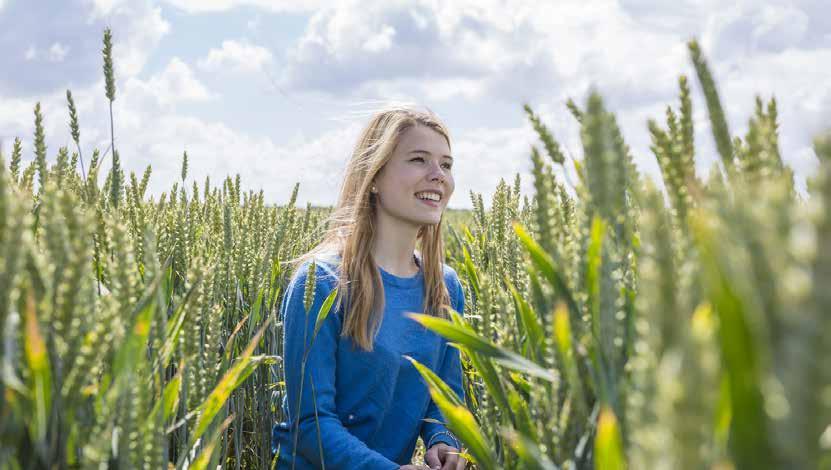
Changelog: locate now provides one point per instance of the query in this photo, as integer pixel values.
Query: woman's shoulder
(454, 287)
(451, 277)
(449, 273)
(326, 270)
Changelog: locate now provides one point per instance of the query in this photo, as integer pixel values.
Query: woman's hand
(444, 457)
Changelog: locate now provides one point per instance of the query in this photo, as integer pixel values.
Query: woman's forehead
(423, 138)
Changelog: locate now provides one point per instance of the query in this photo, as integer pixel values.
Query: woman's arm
(339, 448)
(450, 371)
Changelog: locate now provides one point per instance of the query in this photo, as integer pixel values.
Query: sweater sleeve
(450, 371)
(322, 438)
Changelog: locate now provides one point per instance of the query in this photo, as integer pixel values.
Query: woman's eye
(447, 166)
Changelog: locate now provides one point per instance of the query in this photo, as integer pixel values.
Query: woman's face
(418, 173)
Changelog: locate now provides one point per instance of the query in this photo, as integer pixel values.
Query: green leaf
(464, 335)
(470, 269)
(229, 350)
(174, 327)
(170, 396)
(255, 310)
(203, 460)
(749, 438)
(40, 376)
(167, 281)
(608, 447)
(565, 350)
(545, 265)
(594, 261)
(484, 366)
(520, 409)
(435, 381)
(275, 289)
(245, 365)
(528, 451)
(469, 235)
(597, 353)
(530, 323)
(132, 351)
(9, 378)
(324, 312)
(459, 420)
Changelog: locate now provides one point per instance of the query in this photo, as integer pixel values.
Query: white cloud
(350, 44)
(802, 90)
(276, 6)
(175, 84)
(31, 53)
(483, 156)
(137, 28)
(150, 131)
(103, 8)
(463, 56)
(218, 150)
(436, 90)
(57, 52)
(42, 34)
(253, 24)
(141, 37)
(237, 56)
(421, 22)
(381, 41)
(777, 25)
(449, 88)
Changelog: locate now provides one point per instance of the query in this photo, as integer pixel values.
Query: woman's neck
(394, 247)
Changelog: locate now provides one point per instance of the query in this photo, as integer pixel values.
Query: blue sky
(277, 91)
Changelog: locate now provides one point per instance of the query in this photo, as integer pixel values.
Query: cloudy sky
(277, 90)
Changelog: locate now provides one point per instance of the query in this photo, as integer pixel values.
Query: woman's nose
(437, 173)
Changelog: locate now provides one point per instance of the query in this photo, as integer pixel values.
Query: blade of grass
(530, 323)
(323, 313)
(528, 451)
(565, 350)
(464, 335)
(608, 447)
(546, 266)
(484, 366)
(435, 381)
(749, 438)
(459, 420)
(37, 360)
(204, 458)
(245, 365)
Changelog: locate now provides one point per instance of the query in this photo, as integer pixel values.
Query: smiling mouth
(428, 196)
(429, 202)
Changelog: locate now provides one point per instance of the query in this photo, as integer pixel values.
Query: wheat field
(610, 324)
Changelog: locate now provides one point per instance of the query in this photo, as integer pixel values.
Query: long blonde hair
(352, 230)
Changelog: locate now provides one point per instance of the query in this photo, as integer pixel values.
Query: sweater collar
(405, 282)
(393, 280)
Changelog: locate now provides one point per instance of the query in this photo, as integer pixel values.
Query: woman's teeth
(429, 196)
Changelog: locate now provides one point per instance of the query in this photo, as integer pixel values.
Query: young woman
(358, 403)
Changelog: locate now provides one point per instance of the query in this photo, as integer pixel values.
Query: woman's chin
(426, 221)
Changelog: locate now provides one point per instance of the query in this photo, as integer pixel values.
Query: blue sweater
(371, 406)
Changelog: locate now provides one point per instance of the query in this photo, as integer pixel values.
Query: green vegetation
(608, 326)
